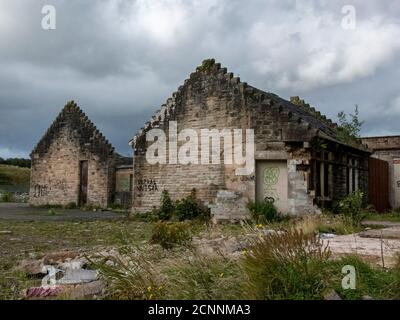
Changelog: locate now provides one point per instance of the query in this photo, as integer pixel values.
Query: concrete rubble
(63, 274)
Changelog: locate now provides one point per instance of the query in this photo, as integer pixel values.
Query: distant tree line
(19, 162)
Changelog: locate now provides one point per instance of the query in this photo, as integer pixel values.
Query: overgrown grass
(370, 281)
(288, 265)
(285, 265)
(203, 278)
(131, 276)
(169, 234)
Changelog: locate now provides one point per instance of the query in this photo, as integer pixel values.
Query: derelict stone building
(387, 149)
(300, 160)
(72, 163)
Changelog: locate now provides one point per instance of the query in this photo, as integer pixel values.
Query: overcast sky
(121, 59)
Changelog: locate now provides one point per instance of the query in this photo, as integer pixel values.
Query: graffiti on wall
(271, 178)
(43, 190)
(40, 190)
(147, 185)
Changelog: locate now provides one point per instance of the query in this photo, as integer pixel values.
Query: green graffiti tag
(271, 176)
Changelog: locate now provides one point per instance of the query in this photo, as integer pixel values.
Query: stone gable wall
(55, 175)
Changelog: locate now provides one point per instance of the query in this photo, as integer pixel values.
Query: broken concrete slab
(366, 247)
(77, 276)
(386, 233)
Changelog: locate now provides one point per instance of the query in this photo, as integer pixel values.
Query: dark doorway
(84, 167)
(379, 184)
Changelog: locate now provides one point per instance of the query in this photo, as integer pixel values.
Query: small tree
(350, 129)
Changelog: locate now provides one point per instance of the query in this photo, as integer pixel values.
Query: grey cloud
(120, 60)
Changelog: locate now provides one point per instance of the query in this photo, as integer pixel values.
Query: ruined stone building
(74, 164)
(300, 159)
(387, 148)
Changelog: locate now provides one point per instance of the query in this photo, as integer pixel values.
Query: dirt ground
(24, 212)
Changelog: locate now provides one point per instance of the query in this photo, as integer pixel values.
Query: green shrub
(263, 212)
(189, 208)
(352, 206)
(168, 234)
(167, 207)
(7, 197)
(286, 265)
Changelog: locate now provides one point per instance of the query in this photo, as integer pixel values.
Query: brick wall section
(55, 174)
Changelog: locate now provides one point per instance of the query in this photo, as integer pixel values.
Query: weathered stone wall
(56, 160)
(55, 176)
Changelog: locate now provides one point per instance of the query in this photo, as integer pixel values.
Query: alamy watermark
(349, 281)
(349, 19)
(198, 150)
(49, 18)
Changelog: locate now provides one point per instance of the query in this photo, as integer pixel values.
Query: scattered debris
(42, 292)
(31, 267)
(76, 276)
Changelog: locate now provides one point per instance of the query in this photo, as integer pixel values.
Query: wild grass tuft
(286, 265)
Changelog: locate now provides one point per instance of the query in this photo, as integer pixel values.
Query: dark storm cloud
(120, 60)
